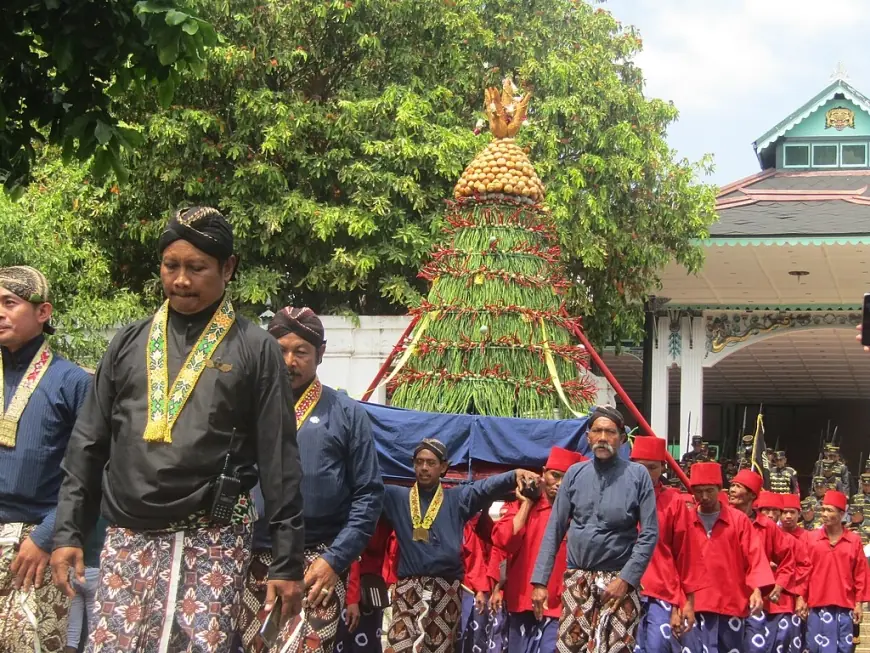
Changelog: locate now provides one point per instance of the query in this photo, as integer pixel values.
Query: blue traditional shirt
(30, 473)
(600, 505)
(342, 489)
(441, 555)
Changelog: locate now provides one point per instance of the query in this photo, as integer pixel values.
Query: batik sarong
(170, 591)
(758, 634)
(715, 633)
(829, 630)
(654, 631)
(367, 636)
(589, 625)
(316, 628)
(33, 620)
(787, 633)
(498, 631)
(528, 635)
(473, 625)
(426, 613)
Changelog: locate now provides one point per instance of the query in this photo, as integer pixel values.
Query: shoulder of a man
(351, 408)
(70, 371)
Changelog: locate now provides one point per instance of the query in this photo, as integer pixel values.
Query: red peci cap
(561, 459)
(769, 500)
(790, 502)
(836, 499)
(706, 474)
(750, 480)
(648, 447)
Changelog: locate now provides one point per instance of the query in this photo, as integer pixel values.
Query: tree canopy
(331, 132)
(62, 61)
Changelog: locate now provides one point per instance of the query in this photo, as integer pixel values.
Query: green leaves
(332, 132)
(73, 59)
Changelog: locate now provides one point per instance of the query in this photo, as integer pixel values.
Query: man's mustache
(604, 445)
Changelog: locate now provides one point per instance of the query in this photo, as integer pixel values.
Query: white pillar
(356, 351)
(660, 362)
(691, 379)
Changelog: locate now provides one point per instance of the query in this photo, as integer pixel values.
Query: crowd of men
(163, 502)
(829, 473)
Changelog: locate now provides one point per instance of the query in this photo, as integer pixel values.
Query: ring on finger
(325, 590)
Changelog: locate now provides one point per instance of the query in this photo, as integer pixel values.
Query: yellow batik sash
(425, 523)
(35, 371)
(164, 403)
(308, 401)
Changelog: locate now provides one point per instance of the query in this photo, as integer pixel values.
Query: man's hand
(676, 621)
(689, 615)
(320, 582)
(857, 613)
(801, 608)
(539, 600)
(29, 565)
(496, 599)
(353, 615)
(614, 593)
(775, 594)
(755, 602)
(290, 592)
(480, 602)
(528, 477)
(63, 560)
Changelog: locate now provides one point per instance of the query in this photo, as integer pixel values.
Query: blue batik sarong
(654, 631)
(367, 636)
(497, 631)
(787, 633)
(829, 630)
(528, 635)
(714, 633)
(473, 626)
(758, 634)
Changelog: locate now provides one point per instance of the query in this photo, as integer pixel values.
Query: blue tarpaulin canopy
(495, 440)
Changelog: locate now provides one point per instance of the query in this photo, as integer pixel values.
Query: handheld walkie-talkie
(227, 489)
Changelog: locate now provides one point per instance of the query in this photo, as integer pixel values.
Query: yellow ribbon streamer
(554, 374)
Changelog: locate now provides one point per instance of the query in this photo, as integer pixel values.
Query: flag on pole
(760, 463)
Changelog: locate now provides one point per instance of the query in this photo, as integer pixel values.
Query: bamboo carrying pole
(387, 363)
(642, 423)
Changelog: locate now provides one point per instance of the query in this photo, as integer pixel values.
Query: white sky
(735, 68)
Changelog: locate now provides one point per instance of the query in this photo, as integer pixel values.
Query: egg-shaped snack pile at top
(502, 168)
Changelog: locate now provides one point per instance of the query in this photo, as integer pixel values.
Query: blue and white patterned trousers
(829, 630)
(714, 633)
(528, 635)
(654, 631)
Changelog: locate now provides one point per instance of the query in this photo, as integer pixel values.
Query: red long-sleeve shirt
(474, 557)
(734, 561)
(372, 559)
(353, 583)
(779, 550)
(839, 575)
(677, 566)
(522, 552)
(800, 541)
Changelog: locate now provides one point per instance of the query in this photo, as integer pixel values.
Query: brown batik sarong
(588, 625)
(319, 628)
(29, 621)
(170, 591)
(426, 614)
